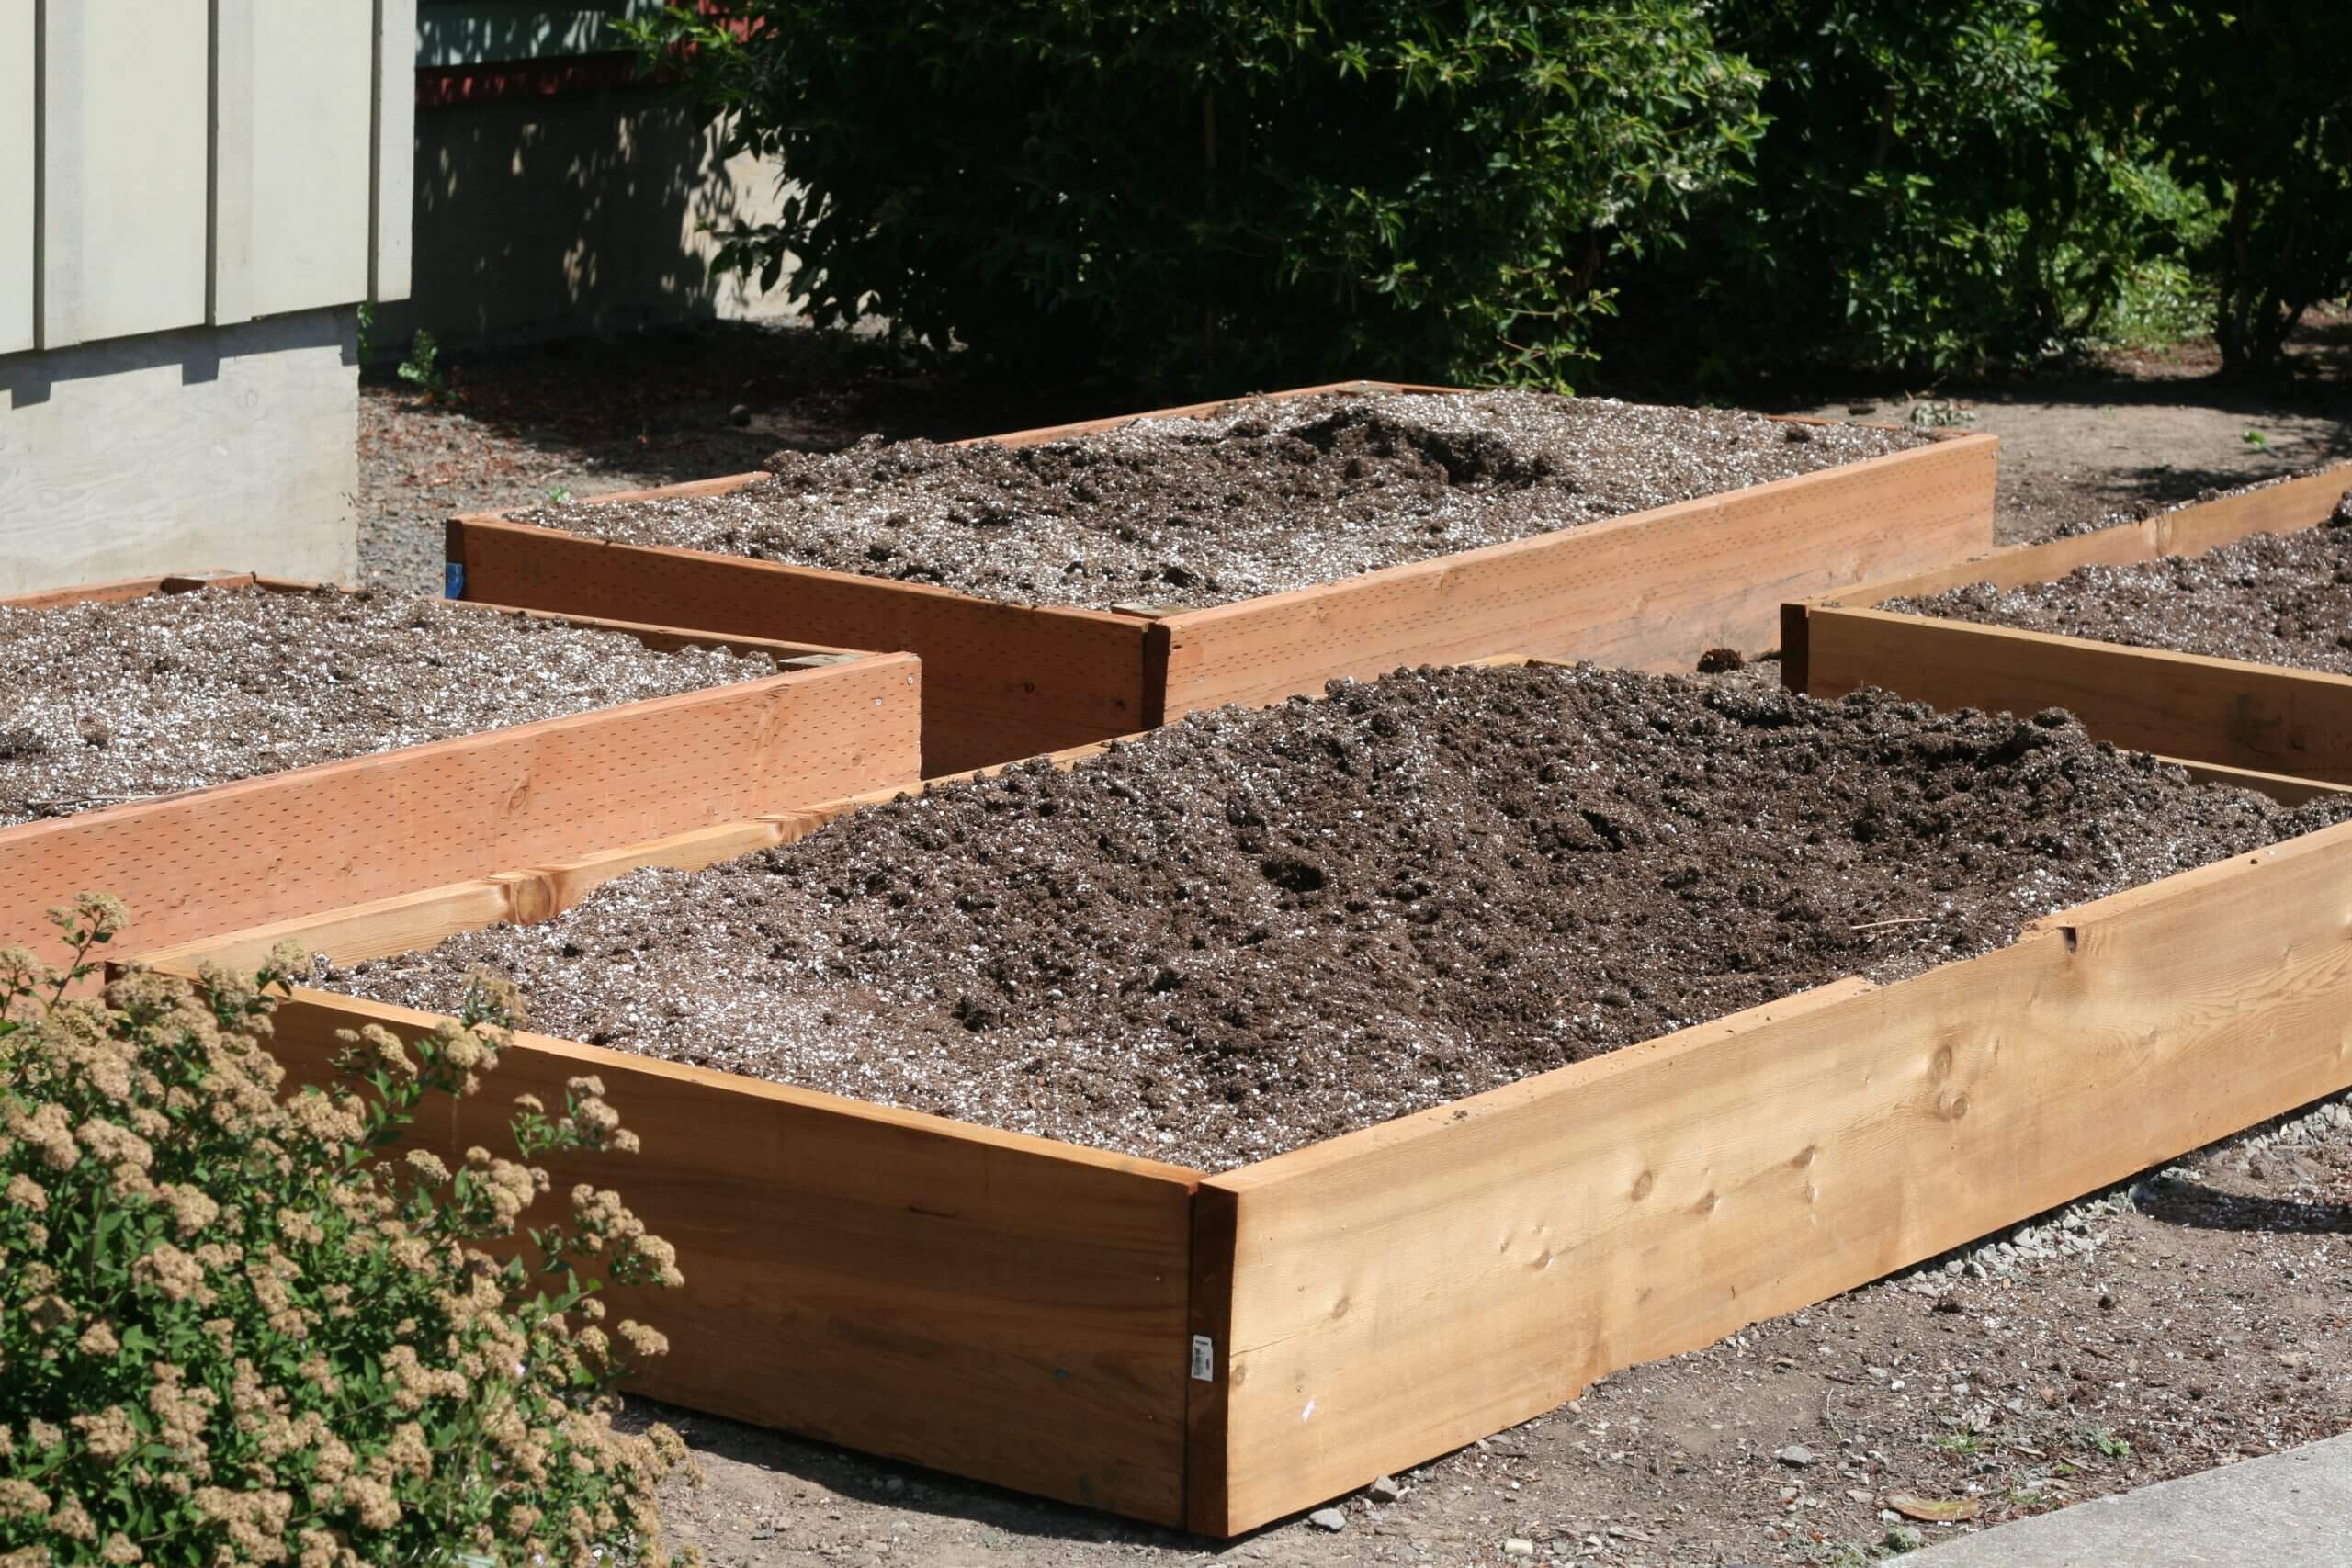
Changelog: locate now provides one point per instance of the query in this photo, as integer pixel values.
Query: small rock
(1386, 1489)
(739, 415)
(2107, 1301)
(1328, 1519)
(1902, 1537)
(895, 1485)
(1796, 1454)
(1858, 1494)
(1519, 1546)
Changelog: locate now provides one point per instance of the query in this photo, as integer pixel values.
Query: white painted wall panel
(313, 123)
(17, 168)
(211, 447)
(143, 134)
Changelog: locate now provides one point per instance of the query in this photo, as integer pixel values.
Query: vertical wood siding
(18, 181)
(167, 163)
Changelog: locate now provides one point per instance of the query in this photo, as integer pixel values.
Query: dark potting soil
(1255, 498)
(1250, 931)
(2273, 598)
(113, 702)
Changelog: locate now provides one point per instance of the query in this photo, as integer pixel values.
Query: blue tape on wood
(454, 578)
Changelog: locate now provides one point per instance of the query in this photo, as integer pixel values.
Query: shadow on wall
(548, 216)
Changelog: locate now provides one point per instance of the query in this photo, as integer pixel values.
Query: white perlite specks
(108, 703)
(1257, 498)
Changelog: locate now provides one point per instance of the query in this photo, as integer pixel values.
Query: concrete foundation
(213, 446)
(550, 215)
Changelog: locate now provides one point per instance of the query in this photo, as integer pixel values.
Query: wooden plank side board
(1001, 680)
(126, 589)
(2301, 503)
(322, 837)
(979, 1302)
(529, 895)
(2284, 788)
(1406, 1290)
(2260, 717)
(1650, 591)
(1653, 589)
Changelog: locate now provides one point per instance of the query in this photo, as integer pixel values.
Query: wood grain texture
(2187, 531)
(322, 837)
(19, 173)
(986, 1303)
(2262, 717)
(2284, 788)
(1653, 589)
(529, 895)
(408, 922)
(1001, 680)
(1650, 591)
(1406, 1289)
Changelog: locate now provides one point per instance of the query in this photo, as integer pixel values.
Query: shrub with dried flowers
(238, 1326)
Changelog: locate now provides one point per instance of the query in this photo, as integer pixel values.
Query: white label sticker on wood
(1204, 1358)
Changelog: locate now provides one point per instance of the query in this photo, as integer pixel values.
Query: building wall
(549, 214)
(207, 447)
(192, 197)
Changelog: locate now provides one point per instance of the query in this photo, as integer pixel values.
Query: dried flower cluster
(237, 1326)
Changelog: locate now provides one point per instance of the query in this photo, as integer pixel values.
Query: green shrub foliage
(1220, 193)
(1944, 183)
(237, 1326)
(2254, 104)
(1224, 192)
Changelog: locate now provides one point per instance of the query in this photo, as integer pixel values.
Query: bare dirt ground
(2200, 1316)
(2146, 429)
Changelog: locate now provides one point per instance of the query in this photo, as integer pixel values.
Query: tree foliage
(1224, 191)
(1221, 192)
(2254, 104)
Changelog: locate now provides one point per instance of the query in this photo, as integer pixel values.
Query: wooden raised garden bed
(1651, 589)
(311, 839)
(2284, 730)
(1218, 1351)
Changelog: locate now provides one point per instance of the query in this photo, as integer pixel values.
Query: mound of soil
(1257, 498)
(110, 702)
(2272, 598)
(1252, 930)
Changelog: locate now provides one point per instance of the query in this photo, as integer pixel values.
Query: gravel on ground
(139, 698)
(1250, 931)
(2272, 598)
(1255, 498)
